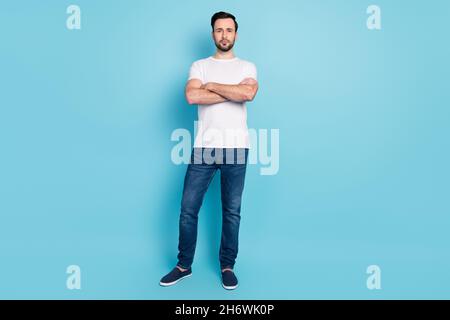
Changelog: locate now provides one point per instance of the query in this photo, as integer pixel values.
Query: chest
(225, 73)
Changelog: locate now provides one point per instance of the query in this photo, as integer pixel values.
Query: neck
(224, 55)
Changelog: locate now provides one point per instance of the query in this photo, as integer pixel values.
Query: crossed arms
(212, 92)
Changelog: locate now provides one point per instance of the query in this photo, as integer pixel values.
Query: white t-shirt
(222, 125)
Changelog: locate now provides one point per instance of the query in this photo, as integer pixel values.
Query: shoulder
(249, 69)
(200, 62)
(247, 63)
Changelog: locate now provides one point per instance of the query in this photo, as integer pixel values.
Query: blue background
(86, 176)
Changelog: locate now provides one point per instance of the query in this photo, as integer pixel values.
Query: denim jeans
(204, 163)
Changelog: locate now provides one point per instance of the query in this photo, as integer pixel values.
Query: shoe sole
(168, 284)
(229, 287)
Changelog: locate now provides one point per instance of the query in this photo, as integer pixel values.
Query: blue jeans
(204, 163)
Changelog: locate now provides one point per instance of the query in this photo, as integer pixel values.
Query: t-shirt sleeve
(250, 71)
(195, 72)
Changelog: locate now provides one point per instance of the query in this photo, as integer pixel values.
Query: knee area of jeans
(188, 216)
(232, 222)
(190, 205)
(232, 207)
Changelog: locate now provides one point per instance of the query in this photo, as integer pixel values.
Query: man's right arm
(196, 94)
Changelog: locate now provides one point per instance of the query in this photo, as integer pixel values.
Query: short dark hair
(223, 15)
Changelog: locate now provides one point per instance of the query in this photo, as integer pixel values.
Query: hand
(248, 81)
(208, 86)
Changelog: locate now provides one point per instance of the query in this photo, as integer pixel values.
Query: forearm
(237, 93)
(203, 96)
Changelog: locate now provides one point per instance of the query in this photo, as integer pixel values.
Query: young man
(220, 85)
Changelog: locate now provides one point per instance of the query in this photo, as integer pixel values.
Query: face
(224, 34)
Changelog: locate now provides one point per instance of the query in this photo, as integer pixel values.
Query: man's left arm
(244, 91)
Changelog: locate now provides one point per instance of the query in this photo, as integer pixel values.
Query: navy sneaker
(174, 276)
(229, 280)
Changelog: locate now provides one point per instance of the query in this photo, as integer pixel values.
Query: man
(220, 85)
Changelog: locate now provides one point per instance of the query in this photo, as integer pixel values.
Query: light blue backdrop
(86, 176)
